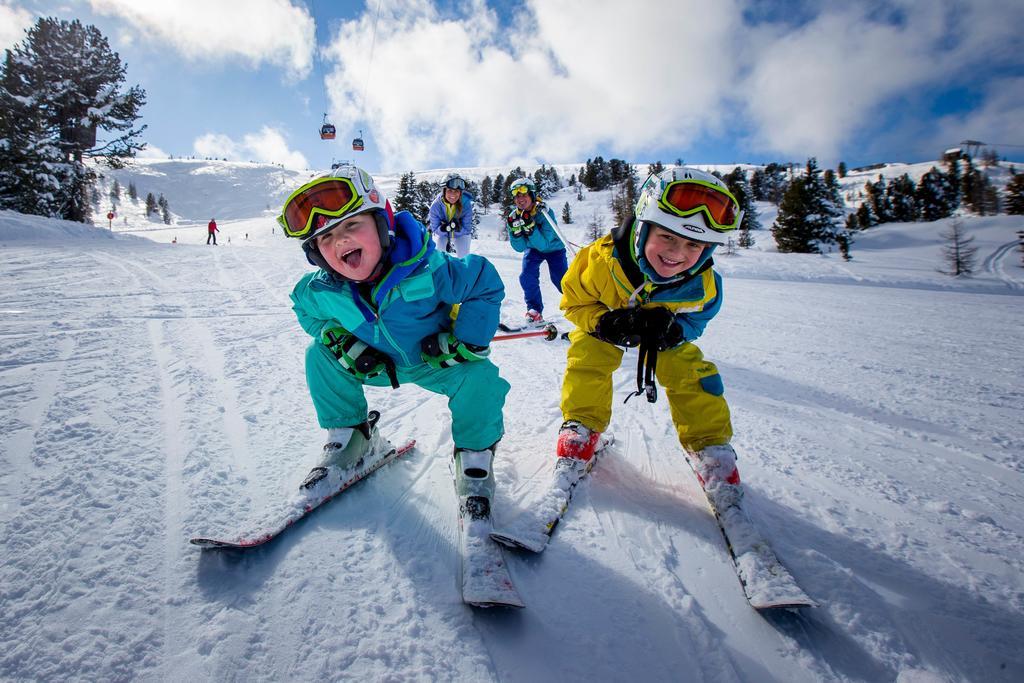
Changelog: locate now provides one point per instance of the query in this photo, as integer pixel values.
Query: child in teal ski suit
(379, 310)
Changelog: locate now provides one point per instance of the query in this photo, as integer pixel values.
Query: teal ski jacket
(412, 300)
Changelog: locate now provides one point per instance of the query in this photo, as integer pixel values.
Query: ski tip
(774, 606)
(216, 544)
(507, 604)
(516, 543)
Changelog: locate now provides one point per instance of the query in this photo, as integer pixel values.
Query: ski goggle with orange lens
(329, 197)
(688, 197)
(519, 189)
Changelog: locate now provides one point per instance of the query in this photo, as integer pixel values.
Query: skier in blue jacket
(451, 217)
(532, 231)
(379, 309)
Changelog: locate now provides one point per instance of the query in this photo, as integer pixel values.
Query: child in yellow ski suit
(650, 284)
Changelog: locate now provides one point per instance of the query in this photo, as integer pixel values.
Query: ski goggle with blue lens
(329, 197)
(691, 196)
(456, 184)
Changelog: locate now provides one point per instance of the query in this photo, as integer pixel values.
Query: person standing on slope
(651, 284)
(451, 217)
(211, 232)
(532, 231)
(379, 310)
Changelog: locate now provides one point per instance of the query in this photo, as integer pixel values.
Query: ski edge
(211, 543)
(767, 560)
(515, 541)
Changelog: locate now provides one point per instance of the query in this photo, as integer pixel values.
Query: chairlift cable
(319, 68)
(369, 66)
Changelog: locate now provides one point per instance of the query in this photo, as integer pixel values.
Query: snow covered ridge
(20, 227)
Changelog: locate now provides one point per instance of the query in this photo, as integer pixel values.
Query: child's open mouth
(669, 262)
(353, 258)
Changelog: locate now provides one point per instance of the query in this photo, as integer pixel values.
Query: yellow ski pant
(692, 385)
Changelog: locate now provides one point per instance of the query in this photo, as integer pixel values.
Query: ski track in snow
(154, 392)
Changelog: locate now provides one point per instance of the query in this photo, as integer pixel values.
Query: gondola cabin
(357, 143)
(327, 132)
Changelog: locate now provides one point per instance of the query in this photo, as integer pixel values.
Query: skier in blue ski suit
(380, 311)
(451, 217)
(531, 231)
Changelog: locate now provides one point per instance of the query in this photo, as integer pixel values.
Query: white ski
(532, 531)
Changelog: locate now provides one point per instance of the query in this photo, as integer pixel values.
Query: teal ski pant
(475, 391)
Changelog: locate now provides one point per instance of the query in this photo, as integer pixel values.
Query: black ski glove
(620, 327)
(450, 226)
(660, 327)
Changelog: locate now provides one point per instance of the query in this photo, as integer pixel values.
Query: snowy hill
(153, 391)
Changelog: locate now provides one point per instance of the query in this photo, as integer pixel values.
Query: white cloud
(255, 32)
(811, 89)
(551, 88)
(13, 22)
(152, 152)
(999, 121)
(572, 76)
(268, 145)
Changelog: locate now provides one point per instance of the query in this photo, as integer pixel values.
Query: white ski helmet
(323, 202)
(691, 203)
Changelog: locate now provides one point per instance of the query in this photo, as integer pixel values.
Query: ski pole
(549, 332)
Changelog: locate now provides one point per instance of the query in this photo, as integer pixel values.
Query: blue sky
(440, 84)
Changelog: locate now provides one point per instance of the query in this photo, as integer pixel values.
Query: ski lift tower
(973, 147)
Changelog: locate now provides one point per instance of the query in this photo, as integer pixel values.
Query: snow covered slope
(151, 391)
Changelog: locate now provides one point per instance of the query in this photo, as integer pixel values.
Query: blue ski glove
(444, 350)
(353, 354)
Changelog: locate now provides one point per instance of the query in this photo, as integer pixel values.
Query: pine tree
(865, 219)
(809, 214)
(115, 193)
(165, 210)
(498, 190)
(900, 197)
(405, 196)
(28, 155)
(425, 193)
(736, 181)
(656, 167)
(791, 231)
(878, 200)
(953, 181)
(845, 240)
(63, 83)
(486, 190)
(841, 169)
(958, 251)
(151, 205)
(932, 196)
(989, 157)
(1015, 195)
(132, 191)
(774, 183)
(594, 231)
(566, 214)
(746, 239)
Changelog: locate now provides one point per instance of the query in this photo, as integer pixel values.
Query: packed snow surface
(152, 389)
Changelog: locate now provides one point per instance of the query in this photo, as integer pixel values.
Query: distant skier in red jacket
(212, 232)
